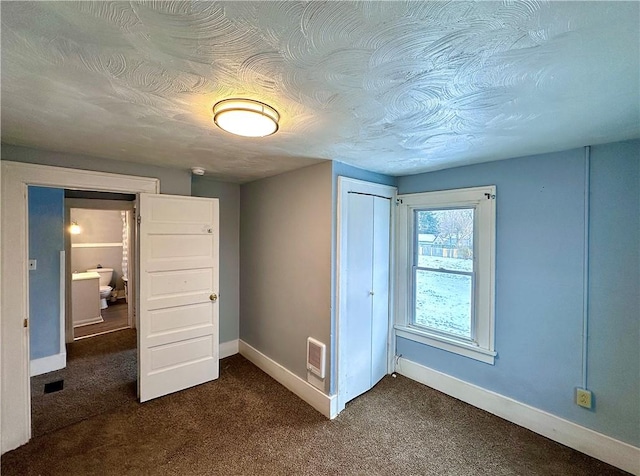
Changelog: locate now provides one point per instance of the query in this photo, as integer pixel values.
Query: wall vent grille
(316, 356)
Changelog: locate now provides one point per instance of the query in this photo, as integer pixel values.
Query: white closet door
(365, 324)
(380, 286)
(357, 323)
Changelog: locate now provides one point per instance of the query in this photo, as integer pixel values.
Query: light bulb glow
(75, 229)
(246, 117)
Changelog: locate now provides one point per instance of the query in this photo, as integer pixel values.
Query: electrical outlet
(584, 398)
(33, 264)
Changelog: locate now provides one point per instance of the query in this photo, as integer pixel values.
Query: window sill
(467, 350)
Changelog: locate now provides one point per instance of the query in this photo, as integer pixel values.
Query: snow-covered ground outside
(443, 300)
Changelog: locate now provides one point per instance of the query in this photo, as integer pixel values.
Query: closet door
(380, 286)
(364, 235)
(357, 321)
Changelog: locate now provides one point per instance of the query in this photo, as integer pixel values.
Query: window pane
(445, 239)
(443, 302)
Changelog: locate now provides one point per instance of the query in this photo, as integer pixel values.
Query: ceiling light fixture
(246, 117)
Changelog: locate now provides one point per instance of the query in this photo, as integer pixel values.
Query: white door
(365, 222)
(380, 303)
(178, 334)
(357, 333)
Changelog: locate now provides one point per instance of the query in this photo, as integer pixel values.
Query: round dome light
(246, 117)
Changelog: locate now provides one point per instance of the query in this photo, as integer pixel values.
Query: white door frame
(346, 185)
(15, 397)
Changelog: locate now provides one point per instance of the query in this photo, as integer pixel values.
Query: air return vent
(56, 386)
(316, 352)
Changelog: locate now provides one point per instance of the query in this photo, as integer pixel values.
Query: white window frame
(482, 199)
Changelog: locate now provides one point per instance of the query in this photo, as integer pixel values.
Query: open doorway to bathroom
(17, 341)
(92, 367)
(100, 259)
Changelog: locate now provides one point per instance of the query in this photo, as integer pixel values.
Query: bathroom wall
(46, 240)
(101, 230)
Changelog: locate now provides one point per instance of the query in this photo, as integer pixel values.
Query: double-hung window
(445, 278)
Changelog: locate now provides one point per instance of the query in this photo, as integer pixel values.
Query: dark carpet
(100, 376)
(245, 423)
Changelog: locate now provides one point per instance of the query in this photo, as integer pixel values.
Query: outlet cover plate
(584, 398)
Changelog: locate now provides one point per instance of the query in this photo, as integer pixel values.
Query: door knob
(213, 297)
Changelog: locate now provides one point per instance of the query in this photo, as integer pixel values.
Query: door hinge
(139, 219)
(26, 323)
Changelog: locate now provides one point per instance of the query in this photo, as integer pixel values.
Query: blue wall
(539, 284)
(46, 240)
(345, 170)
(614, 291)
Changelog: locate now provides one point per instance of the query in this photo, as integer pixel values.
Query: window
(445, 279)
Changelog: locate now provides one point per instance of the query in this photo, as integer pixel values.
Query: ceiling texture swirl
(393, 87)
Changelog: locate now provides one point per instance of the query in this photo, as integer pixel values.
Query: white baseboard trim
(47, 364)
(88, 322)
(229, 348)
(585, 440)
(325, 404)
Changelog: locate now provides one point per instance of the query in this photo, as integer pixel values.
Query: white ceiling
(393, 87)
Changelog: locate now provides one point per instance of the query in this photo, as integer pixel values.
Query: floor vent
(53, 386)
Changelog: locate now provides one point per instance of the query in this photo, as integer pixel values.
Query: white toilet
(105, 279)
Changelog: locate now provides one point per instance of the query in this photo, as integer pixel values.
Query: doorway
(180, 239)
(80, 379)
(63, 304)
(16, 177)
(100, 235)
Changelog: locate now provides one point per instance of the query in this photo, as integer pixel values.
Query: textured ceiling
(393, 87)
